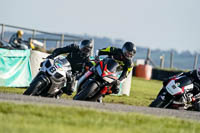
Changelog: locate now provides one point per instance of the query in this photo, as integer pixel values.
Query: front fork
(46, 81)
(83, 78)
(105, 89)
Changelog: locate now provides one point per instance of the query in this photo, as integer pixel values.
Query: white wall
(35, 60)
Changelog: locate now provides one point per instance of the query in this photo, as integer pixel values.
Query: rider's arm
(63, 50)
(107, 51)
(127, 68)
(86, 65)
(13, 39)
(191, 74)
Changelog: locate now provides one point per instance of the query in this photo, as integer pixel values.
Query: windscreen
(59, 62)
(111, 64)
(183, 81)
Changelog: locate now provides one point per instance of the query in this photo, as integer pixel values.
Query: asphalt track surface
(21, 99)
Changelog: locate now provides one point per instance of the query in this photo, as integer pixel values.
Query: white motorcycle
(51, 77)
(178, 93)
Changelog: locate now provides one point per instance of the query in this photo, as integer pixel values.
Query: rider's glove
(115, 89)
(116, 82)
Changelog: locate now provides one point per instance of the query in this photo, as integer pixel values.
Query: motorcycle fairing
(173, 89)
(103, 71)
(179, 85)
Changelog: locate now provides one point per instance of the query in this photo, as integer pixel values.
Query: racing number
(52, 69)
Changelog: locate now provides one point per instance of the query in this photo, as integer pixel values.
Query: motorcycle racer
(124, 57)
(78, 56)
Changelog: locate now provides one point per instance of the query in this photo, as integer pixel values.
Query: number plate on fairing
(52, 70)
(173, 89)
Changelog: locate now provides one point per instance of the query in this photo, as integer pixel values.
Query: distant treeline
(183, 60)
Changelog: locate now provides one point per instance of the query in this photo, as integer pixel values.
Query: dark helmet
(129, 50)
(86, 47)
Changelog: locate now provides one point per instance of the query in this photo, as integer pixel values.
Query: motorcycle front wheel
(197, 106)
(87, 89)
(157, 103)
(35, 87)
(162, 103)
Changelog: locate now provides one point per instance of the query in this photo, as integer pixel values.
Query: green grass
(12, 90)
(23, 118)
(142, 93)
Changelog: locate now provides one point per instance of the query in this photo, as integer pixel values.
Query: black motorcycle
(97, 81)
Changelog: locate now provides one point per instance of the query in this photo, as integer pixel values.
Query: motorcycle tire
(197, 106)
(157, 103)
(86, 90)
(34, 87)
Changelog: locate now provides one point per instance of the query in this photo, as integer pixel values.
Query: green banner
(15, 68)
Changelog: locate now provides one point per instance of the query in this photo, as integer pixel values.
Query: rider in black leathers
(195, 77)
(124, 57)
(78, 56)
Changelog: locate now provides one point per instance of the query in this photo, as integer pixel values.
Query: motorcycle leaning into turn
(178, 93)
(97, 81)
(50, 78)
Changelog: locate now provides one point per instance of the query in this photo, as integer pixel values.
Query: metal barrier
(149, 60)
(34, 31)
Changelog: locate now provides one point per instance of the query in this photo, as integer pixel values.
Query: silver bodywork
(54, 67)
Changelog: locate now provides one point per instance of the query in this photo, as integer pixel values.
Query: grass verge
(23, 118)
(142, 93)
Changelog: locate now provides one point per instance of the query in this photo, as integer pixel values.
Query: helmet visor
(129, 54)
(86, 50)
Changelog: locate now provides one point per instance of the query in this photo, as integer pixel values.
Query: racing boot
(69, 88)
(59, 94)
(99, 100)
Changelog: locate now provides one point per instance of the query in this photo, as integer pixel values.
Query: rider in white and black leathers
(78, 56)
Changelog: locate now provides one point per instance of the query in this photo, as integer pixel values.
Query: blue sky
(163, 24)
